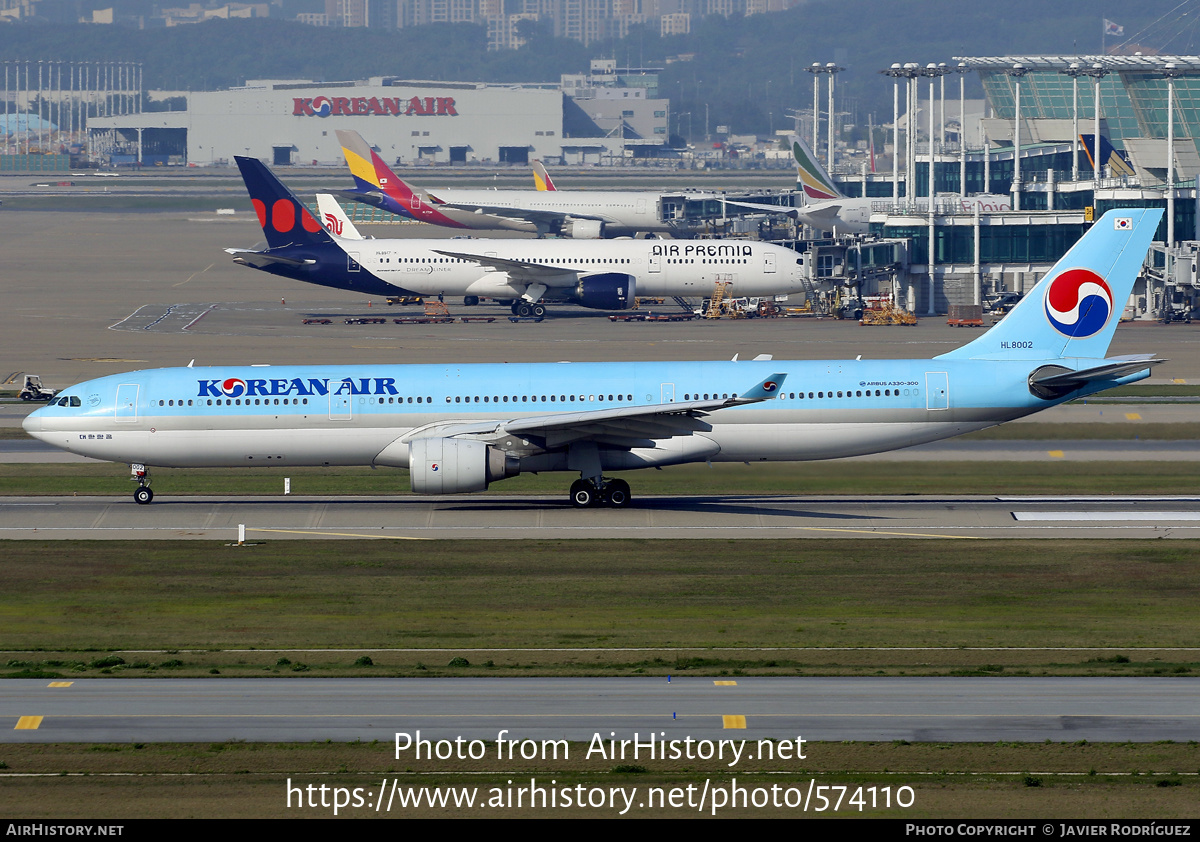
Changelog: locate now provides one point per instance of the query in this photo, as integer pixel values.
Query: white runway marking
(1107, 516)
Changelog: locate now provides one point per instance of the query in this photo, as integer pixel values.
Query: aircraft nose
(34, 423)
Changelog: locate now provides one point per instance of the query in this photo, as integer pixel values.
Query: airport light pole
(1172, 73)
(962, 70)
(913, 72)
(896, 72)
(816, 69)
(1017, 71)
(932, 71)
(1097, 72)
(1074, 71)
(832, 69)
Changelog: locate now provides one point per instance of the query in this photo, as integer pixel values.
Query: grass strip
(249, 780)
(607, 595)
(807, 478)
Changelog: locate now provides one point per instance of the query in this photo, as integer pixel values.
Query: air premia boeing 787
(459, 427)
(602, 274)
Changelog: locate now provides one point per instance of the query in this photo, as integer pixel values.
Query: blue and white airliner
(459, 427)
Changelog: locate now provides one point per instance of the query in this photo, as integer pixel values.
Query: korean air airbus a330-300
(457, 428)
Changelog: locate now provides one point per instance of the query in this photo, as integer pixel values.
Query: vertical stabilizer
(1074, 309)
(541, 178)
(375, 183)
(284, 218)
(335, 220)
(818, 186)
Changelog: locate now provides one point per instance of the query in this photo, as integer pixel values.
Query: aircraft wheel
(143, 495)
(539, 310)
(523, 309)
(617, 495)
(470, 300)
(583, 494)
(515, 306)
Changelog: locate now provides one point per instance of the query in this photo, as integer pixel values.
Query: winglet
(767, 390)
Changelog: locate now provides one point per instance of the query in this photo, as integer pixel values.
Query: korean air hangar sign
(361, 106)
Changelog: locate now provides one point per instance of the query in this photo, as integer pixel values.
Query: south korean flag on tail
(1122, 223)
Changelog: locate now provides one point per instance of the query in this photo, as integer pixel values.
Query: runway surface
(667, 518)
(17, 451)
(819, 709)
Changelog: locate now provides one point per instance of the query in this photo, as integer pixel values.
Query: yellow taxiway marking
(60, 683)
(725, 683)
(734, 721)
(337, 534)
(28, 723)
(1055, 454)
(1180, 381)
(1132, 416)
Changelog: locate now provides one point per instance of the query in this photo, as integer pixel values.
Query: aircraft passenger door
(352, 261)
(339, 408)
(937, 390)
(641, 206)
(127, 398)
(668, 393)
(655, 264)
(768, 262)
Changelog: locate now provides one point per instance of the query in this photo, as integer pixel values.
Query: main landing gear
(608, 492)
(524, 309)
(142, 495)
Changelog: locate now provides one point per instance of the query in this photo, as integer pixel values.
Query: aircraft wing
(517, 268)
(754, 206)
(259, 259)
(634, 426)
(823, 214)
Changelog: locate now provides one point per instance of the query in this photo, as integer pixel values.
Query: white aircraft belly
(805, 442)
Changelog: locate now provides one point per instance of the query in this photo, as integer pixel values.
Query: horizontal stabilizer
(1058, 380)
(261, 258)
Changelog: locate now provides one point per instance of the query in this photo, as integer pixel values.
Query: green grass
(234, 779)
(806, 478)
(102, 595)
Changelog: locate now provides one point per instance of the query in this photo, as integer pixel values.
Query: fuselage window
(572, 399)
(887, 393)
(839, 393)
(820, 394)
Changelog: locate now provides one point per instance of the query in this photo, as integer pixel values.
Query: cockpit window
(76, 401)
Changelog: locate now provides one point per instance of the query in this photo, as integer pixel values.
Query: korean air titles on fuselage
(235, 387)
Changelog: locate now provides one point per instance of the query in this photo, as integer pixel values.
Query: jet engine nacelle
(455, 466)
(606, 291)
(583, 229)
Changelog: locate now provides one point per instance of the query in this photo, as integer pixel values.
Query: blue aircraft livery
(458, 428)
